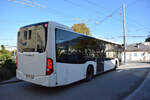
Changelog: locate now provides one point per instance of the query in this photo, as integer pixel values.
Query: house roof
(138, 47)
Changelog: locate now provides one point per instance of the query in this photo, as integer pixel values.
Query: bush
(7, 69)
(5, 74)
(4, 57)
(10, 65)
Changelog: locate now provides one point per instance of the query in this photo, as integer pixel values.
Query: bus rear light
(49, 66)
(45, 25)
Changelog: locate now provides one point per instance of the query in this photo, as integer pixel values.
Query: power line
(95, 4)
(139, 24)
(96, 11)
(129, 36)
(104, 8)
(110, 15)
(24, 3)
(134, 21)
(97, 22)
(42, 7)
(37, 5)
(115, 11)
(128, 5)
(135, 36)
(131, 3)
(80, 6)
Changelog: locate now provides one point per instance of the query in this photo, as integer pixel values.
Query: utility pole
(124, 33)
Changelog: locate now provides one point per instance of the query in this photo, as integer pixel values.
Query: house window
(135, 54)
(142, 54)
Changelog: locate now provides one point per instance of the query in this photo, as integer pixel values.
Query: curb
(135, 93)
(10, 82)
(13, 80)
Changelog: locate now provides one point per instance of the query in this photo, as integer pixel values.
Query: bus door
(100, 65)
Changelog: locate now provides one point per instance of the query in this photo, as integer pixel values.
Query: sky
(103, 17)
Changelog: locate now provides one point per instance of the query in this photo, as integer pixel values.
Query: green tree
(147, 39)
(4, 54)
(81, 28)
(3, 47)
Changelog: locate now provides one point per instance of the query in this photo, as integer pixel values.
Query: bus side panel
(109, 64)
(69, 73)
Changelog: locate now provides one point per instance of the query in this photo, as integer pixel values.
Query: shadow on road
(111, 85)
(52, 90)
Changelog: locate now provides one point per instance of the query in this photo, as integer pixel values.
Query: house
(138, 52)
(10, 48)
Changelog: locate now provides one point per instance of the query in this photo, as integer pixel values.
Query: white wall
(136, 56)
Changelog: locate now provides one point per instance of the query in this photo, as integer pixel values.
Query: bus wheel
(89, 73)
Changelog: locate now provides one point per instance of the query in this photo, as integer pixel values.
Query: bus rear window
(30, 33)
(25, 35)
(32, 38)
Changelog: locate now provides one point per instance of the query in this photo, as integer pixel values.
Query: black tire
(89, 73)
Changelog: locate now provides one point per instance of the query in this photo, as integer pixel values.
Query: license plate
(30, 76)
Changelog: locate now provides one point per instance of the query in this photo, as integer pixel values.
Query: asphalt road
(113, 85)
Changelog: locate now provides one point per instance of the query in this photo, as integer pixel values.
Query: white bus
(51, 54)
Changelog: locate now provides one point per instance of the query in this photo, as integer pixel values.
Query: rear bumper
(49, 81)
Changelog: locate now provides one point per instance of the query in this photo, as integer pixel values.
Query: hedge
(7, 69)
